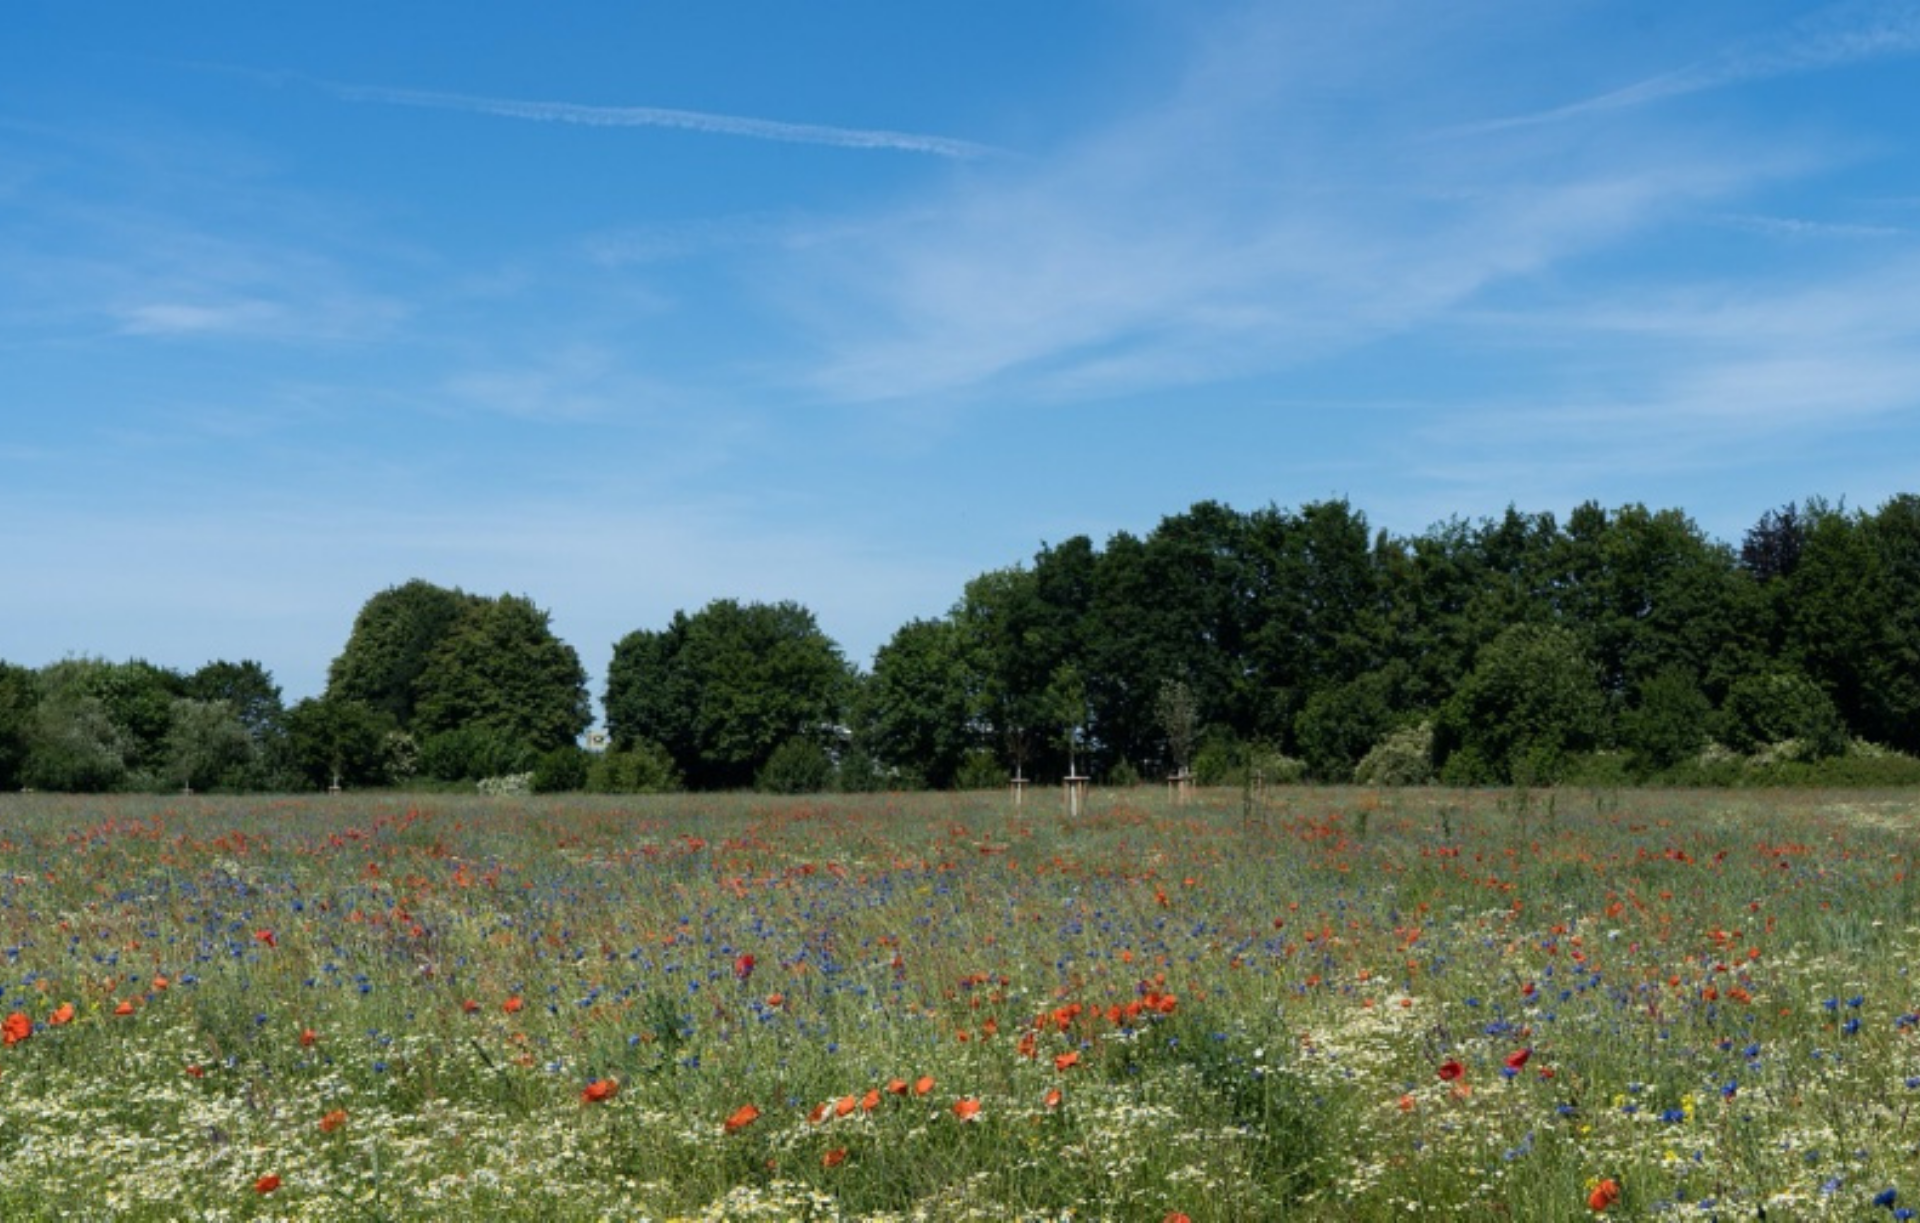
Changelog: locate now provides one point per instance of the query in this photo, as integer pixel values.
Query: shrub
(979, 770)
(1123, 774)
(642, 767)
(1761, 710)
(473, 752)
(562, 769)
(798, 766)
(1403, 758)
(510, 785)
(859, 773)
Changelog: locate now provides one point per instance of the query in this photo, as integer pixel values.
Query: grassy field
(1320, 1004)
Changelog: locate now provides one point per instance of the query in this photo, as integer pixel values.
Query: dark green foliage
(1012, 642)
(642, 767)
(980, 770)
(1667, 722)
(329, 738)
(1777, 706)
(1532, 699)
(474, 751)
(1610, 646)
(19, 697)
(561, 769)
(722, 689)
(393, 637)
(100, 725)
(798, 766)
(500, 669)
(1771, 548)
(912, 713)
(208, 746)
(248, 688)
(1845, 619)
(1339, 725)
(858, 773)
(75, 745)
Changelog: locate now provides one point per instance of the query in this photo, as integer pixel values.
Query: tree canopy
(724, 688)
(1621, 643)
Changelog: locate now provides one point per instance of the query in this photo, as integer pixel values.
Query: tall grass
(1309, 1004)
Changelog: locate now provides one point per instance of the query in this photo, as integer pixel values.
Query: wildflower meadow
(1306, 1004)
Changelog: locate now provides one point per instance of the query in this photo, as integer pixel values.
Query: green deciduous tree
(1532, 699)
(725, 687)
(1781, 705)
(392, 640)
(912, 713)
(19, 698)
(248, 688)
(208, 745)
(1667, 721)
(501, 671)
(329, 739)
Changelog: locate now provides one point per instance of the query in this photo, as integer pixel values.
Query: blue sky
(627, 307)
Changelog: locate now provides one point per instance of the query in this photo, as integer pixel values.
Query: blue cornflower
(1886, 1197)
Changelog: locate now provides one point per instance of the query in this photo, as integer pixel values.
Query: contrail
(653, 116)
(1833, 37)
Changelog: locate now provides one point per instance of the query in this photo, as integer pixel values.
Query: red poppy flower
(897, 1087)
(307, 1038)
(966, 1110)
(743, 965)
(1067, 1060)
(1451, 1070)
(1604, 1194)
(125, 1007)
(1518, 1058)
(16, 1028)
(1053, 1098)
(512, 1004)
(844, 1106)
(332, 1121)
(266, 1184)
(740, 1118)
(64, 1014)
(599, 1090)
(834, 1158)
(265, 936)
(923, 1085)
(870, 1101)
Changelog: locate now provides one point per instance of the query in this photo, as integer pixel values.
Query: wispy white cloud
(662, 117)
(1832, 37)
(193, 318)
(576, 383)
(1691, 383)
(1802, 227)
(1237, 226)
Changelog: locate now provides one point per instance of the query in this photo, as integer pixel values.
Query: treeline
(1619, 646)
